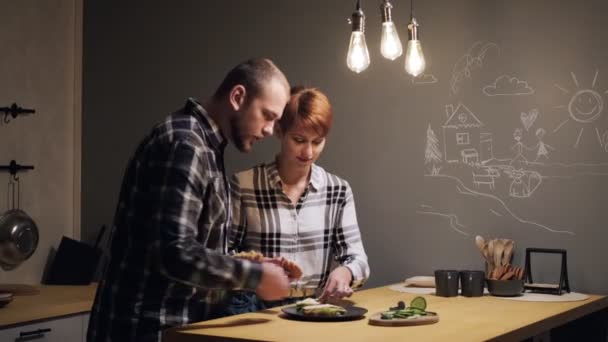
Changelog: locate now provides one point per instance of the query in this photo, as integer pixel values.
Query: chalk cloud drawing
(473, 59)
(424, 79)
(506, 85)
(584, 108)
(528, 119)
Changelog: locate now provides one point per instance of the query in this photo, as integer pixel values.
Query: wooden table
(461, 319)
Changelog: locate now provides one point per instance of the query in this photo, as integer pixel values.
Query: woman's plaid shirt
(317, 233)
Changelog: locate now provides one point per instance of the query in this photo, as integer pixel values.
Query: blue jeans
(238, 302)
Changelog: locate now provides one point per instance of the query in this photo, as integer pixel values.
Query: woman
(292, 208)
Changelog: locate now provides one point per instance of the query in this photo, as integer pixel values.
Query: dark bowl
(505, 288)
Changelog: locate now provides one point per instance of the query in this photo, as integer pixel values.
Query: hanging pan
(18, 232)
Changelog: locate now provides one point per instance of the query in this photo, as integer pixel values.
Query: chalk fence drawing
(424, 79)
(473, 59)
(584, 108)
(506, 85)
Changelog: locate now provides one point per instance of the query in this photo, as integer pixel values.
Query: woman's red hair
(309, 108)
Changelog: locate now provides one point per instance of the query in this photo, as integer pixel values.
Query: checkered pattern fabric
(167, 261)
(318, 233)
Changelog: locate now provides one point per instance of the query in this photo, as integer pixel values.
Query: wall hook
(14, 110)
(13, 168)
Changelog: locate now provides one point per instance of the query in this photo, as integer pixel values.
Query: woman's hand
(338, 285)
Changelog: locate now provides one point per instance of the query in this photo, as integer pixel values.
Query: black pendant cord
(14, 110)
(411, 9)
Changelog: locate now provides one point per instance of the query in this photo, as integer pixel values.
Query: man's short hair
(251, 74)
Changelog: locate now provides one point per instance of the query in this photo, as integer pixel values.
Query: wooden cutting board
(398, 322)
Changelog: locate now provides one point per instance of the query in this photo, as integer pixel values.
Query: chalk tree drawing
(584, 108)
(432, 154)
(506, 85)
(528, 119)
(424, 79)
(470, 61)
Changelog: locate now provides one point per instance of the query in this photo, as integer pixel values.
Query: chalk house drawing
(424, 79)
(467, 145)
(506, 85)
(473, 59)
(584, 108)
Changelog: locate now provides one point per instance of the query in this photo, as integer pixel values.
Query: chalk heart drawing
(527, 119)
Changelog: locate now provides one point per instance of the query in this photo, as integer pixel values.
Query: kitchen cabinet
(64, 329)
(57, 313)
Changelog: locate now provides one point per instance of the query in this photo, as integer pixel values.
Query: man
(168, 265)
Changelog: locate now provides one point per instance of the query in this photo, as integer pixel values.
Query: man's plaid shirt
(167, 261)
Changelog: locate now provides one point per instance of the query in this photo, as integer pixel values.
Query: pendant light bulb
(414, 57)
(357, 58)
(390, 44)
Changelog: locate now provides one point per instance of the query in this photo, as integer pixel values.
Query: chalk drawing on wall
(506, 85)
(462, 137)
(473, 59)
(432, 153)
(424, 79)
(465, 144)
(464, 154)
(528, 119)
(542, 149)
(453, 219)
(584, 107)
(493, 204)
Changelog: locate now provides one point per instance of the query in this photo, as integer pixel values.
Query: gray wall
(40, 69)
(141, 60)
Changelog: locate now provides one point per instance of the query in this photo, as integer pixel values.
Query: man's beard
(235, 132)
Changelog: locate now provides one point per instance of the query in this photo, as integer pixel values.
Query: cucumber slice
(418, 303)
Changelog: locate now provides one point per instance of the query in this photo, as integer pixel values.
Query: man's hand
(338, 285)
(274, 284)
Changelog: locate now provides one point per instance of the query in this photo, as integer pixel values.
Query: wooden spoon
(498, 250)
(480, 242)
(508, 252)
